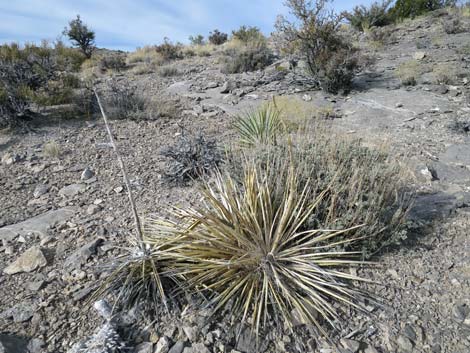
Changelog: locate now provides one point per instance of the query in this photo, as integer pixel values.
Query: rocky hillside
(65, 212)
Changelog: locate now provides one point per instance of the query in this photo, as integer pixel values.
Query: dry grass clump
(365, 186)
(169, 71)
(446, 73)
(200, 50)
(51, 149)
(409, 72)
(147, 55)
(249, 56)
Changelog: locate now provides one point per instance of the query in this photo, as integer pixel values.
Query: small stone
(198, 109)
(40, 190)
(31, 260)
(460, 312)
(118, 190)
(145, 347)
(399, 105)
(227, 87)
(80, 256)
(190, 332)
(351, 345)
(163, 345)
(36, 285)
(35, 345)
(404, 344)
(178, 347)
(370, 349)
(307, 97)
(419, 55)
(197, 348)
(9, 158)
(212, 85)
(93, 209)
(87, 174)
(72, 190)
(409, 332)
(393, 273)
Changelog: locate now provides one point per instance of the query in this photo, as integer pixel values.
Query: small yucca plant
(247, 248)
(261, 126)
(144, 274)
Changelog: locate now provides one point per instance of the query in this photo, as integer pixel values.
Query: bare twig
(138, 226)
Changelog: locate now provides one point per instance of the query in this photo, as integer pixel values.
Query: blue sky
(127, 24)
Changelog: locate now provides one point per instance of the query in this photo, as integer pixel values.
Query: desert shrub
(51, 149)
(363, 18)
(81, 36)
(365, 186)
(378, 37)
(168, 71)
(203, 50)
(445, 74)
(191, 158)
(113, 62)
(197, 40)
(169, 51)
(259, 126)
(217, 38)
(409, 72)
(69, 58)
(453, 26)
(31, 75)
(248, 34)
(125, 101)
(319, 42)
(412, 8)
(247, 57)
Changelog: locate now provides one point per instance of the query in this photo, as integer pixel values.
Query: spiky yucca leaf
(247, 247)
(260, 126)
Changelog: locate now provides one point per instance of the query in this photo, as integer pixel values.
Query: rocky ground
(65, 211)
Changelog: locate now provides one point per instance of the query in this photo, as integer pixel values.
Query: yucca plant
(260, 126)
(246, 247)
(145, 273)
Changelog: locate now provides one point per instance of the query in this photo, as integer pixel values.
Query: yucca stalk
(261, 126)
(247, 247)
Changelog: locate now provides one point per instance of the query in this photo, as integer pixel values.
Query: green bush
(377, 15)
(317, 39)
(31, 76)
(169, 51)
(81, 36)
(197, 40)
(217, 38)
(412, 8)
(248, 34)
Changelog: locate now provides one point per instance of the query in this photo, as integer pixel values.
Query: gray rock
(307, 97)
(30, 260)
(460, 312)
(36, 345)
(227, 87)
(212, 85)
(12, 344)
(191, 332)
(40, 190)
(36, 225)
(163, 345)
(10, 158)
(19, 313)
(370, 349)
(178, 347)
(87, 174)
(409, 332)
(93, 209)
(404, 344)
(197, 348)
(79, 257)
(419, 55)
(72, 190)
(350, 345)
(145, 347)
